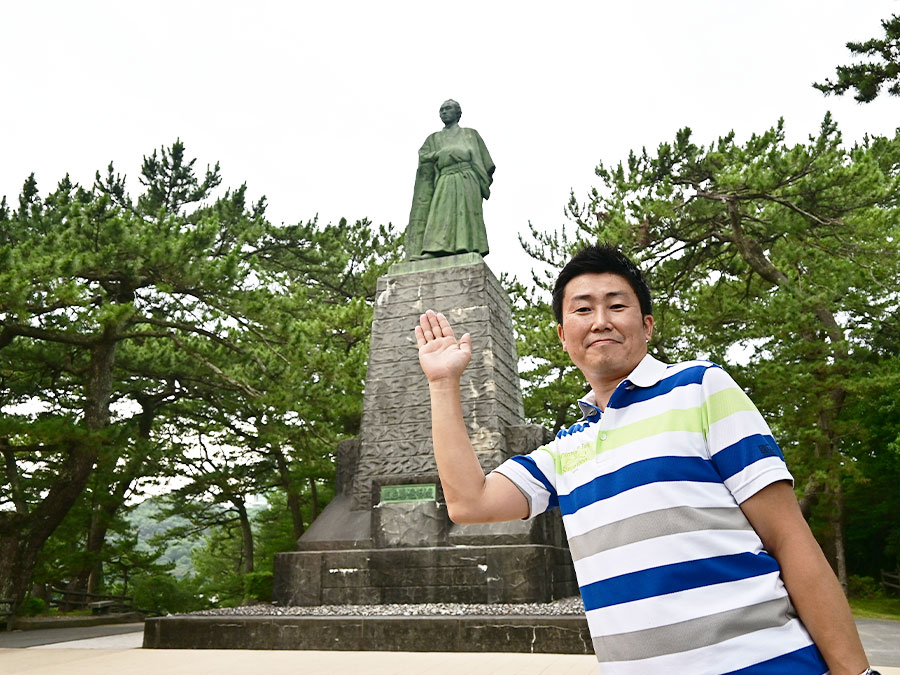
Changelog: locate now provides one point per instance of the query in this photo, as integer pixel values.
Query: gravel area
(556, 608)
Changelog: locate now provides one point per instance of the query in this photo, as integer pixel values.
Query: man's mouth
(603, 341)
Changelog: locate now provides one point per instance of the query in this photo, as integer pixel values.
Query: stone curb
(509, 633)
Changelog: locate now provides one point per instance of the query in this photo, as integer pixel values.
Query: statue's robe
(454, 176)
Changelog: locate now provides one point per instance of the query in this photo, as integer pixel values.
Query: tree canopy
(869, 76)
(781, 261)
(135, 330)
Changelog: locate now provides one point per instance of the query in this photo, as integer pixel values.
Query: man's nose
(600, 322)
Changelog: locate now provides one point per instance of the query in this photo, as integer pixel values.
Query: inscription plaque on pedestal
(401, 494)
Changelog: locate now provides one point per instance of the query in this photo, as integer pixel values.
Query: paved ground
(882, 641)
(61, 636)
(99, 650)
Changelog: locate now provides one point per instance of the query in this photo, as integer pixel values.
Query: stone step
(471, 633)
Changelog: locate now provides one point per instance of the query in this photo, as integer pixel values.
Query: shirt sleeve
(535, 476)
(741, 445)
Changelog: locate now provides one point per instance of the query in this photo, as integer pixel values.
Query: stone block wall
(395, 439)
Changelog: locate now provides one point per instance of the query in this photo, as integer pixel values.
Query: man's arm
(471, 497)
(814, 590)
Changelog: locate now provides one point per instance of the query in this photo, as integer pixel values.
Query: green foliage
(553, 381)
(868, 77)
(217, 564)
(32, 607)
(258, 586)
(863, 587)
(163, 594)
(872, 498)
(171, 551)
(219, 561)
(177, 333)
(779, 261)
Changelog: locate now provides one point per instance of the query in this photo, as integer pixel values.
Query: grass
(876, 608)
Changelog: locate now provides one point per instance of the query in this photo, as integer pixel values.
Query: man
(690, 549)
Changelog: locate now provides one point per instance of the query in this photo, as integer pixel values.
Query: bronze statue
(454, 175)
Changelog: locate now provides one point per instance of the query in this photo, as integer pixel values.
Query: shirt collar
(647, 373)
(588, 404)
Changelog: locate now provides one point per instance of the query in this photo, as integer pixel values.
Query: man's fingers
(433, 325)
(420, 336)
(425, 327)
(465, 343)
(444, 325)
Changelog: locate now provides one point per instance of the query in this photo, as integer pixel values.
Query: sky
(322, 106)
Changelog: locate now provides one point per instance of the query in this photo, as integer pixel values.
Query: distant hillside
(178, 551)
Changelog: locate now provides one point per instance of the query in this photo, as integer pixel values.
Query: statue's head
(450, 111)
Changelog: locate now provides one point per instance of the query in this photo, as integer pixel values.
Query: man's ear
(648, 326)
(562, 336)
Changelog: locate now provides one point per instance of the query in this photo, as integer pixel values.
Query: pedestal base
(468, 574)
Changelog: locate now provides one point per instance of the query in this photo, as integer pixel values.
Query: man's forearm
(820, 602)
(461, 474)
(808, 578)
(471, 497)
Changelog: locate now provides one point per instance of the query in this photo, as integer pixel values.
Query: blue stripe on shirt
(643, 472)
(740, 455)
(692, 375)
(538, 475)
(805, 661)
(676, 577)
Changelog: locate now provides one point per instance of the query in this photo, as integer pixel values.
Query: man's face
(603, 329)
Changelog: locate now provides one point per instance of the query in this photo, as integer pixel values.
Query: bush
(32, 607)
(258, 586)
(863, 587)
(163, 594)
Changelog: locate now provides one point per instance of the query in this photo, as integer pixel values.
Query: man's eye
(617, 307)
(581, 310)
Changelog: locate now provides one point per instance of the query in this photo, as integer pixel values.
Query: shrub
(863, 587)
(163, 594)
(258, 586)
(32, 607)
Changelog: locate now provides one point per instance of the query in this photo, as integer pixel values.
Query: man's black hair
(601, 259)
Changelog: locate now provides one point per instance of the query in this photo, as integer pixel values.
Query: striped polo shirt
(674, 578)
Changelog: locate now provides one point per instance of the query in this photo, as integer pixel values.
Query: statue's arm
(423, 189)
(484, 165)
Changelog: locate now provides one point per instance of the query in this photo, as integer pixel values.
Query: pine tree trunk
(22, 538)
(314, 492)
(293, 499)
(246, 537)
(23, 535)
(90, 577)
(840, 556)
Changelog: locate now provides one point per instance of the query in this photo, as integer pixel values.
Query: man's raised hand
(441, 355)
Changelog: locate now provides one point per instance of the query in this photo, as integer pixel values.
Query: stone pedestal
(386, 536)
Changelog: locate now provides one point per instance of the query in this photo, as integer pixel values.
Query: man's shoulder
(659, 385)
(653, 373)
